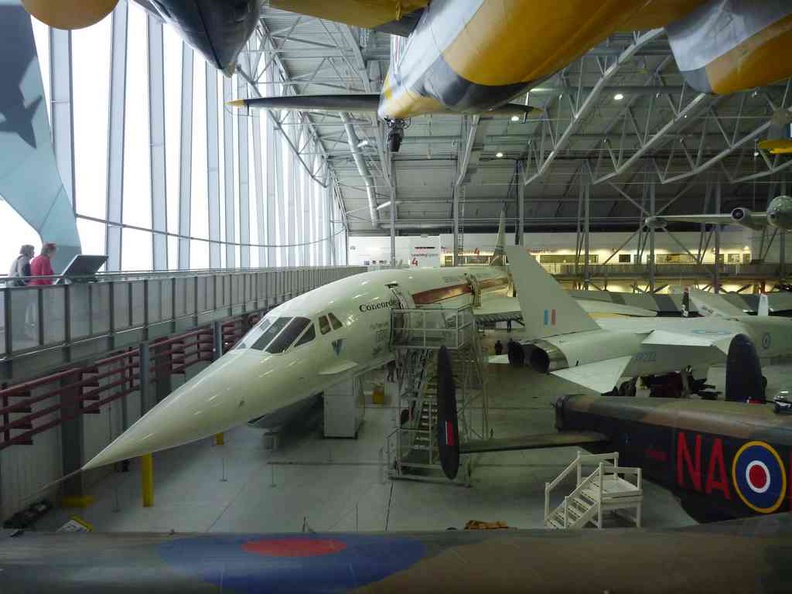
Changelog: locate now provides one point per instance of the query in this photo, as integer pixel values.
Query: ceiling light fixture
(515, 118)
(618, 97)
(499, 155)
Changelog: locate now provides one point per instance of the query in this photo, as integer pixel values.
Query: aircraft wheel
(628, 388)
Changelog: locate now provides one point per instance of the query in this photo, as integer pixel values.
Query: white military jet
(561, 338)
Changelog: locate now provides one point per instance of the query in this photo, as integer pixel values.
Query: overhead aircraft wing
(709, 304)
(533, 442)
(356, 103)
(600, 376)
(755, 219)
(500, 308)
(398, 17)
(674, 339)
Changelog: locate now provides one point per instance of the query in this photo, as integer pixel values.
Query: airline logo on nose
(549, 317)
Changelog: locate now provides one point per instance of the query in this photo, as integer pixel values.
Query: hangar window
(270, 332)
(307, 336)
(285, 339)
(625, 258)
(334, 321)
(324, 325)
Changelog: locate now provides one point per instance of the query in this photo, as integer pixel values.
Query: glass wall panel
(136, 251)
(199, 202)
(137, 167)
(91, 51)
(173, 65)
(92, 235)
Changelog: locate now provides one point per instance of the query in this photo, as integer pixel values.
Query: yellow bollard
(219, 439)
(147, 479)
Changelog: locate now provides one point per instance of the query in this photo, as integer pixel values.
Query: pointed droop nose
(226, 394)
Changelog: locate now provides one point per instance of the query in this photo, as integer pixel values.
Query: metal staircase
(411, 447)
(608, 488)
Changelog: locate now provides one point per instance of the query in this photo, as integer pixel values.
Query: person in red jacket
(41, 265)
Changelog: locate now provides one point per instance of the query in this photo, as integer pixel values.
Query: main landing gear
(395, 134)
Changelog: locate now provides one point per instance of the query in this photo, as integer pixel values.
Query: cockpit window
(324, 325)
(284, 340)
(335, 322)
(271, 330)
(307, 337)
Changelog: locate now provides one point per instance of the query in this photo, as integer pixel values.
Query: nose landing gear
(395, 134)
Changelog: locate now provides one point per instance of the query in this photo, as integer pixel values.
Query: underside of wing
(659, 13)
(359, 103)
(705, 219)
(709, 304)
(355, 103)
(398, 17)
(601, 376)
(674, 340)
(500, 308)
(533, 442)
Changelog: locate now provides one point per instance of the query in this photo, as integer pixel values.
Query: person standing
(498, 347)
(20, 268)
(41, 265)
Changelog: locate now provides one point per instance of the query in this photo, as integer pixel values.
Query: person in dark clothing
(498, 347)
(20, 268)
(391, 371)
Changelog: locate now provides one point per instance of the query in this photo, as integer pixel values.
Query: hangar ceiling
(619, 121)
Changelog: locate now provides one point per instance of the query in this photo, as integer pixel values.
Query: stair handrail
(576, 493)
(552, 485)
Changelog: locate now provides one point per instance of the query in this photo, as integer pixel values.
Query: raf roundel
(759, 477)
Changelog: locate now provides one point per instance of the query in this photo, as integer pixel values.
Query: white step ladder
(609, 488)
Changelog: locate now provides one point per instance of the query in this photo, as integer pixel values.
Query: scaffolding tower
(416, 337)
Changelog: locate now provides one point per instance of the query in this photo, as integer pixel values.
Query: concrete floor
(341, 485)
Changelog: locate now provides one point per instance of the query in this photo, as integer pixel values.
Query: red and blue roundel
(759, 477)
(291, 563)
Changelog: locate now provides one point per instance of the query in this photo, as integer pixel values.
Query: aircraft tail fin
(499, 255)
(547, 309)
(764, 306)
(744, 382)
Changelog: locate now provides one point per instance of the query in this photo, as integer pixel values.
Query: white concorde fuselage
(299, 349)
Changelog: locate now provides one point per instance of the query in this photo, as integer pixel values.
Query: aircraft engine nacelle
(733, 45)
(565, 351)
(69, 14)
(779, 213)
(746, 218)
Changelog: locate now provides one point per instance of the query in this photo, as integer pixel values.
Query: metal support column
(455, 243)
(148, 396)
(228, 165)
(244, 176)
(71, 432)
(520, 203)
(261, 201)
(115, 137)
(185, 158)
(213, 165)
(716, 285)
(392, 177)
(652, 211)
(782, 238)
(61, 104)
(586, 195)
(159, 207)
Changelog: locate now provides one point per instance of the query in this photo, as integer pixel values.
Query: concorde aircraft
(778, 215)
(474, 56)
(563, 339)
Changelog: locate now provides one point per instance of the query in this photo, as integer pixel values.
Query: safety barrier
(81, 319)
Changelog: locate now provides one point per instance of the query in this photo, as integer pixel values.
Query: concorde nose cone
(226, 394)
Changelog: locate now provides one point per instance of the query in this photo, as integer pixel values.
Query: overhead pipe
(363, 170)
